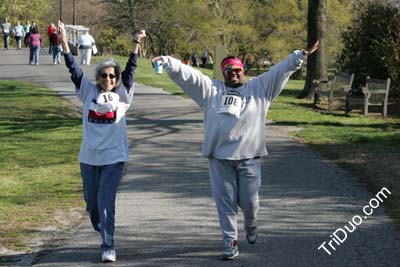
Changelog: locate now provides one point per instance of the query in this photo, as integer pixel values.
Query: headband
(234, 62)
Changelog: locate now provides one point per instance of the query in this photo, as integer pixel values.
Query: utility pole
(73, 13)
(60, 3)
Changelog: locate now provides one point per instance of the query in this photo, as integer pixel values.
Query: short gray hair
(108, 63)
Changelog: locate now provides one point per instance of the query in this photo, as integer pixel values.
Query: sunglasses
(230, 71)
(105, 75)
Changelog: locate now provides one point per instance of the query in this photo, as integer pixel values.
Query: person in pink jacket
(35, 42)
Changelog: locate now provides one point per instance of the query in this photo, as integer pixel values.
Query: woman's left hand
(312, 49)
(159, 58)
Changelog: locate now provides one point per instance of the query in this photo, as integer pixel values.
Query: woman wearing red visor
(234, 134)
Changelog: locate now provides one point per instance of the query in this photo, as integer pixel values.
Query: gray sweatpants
(235, 183)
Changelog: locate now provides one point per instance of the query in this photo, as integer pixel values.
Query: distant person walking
(50, 30)
(6, 29)
(29, 33)
(193, 58)
(35, 43)
(55, 42)
(85, 42)
(27, 28)
(104, 147)
(19, 33)
(204, 57)
(234, 134)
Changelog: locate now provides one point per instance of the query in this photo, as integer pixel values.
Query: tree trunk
(316, 29)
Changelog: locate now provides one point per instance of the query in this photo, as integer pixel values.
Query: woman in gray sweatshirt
(234, 134)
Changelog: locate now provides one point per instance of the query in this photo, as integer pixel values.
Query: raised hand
(312, 49)
(63, 37)
(61, 29)
(139, 36)
(159, 58)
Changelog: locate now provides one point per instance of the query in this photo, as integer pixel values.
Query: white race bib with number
(231, 103)
(107, 102)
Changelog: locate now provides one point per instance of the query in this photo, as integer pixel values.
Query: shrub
(372, 44)
(110, 41)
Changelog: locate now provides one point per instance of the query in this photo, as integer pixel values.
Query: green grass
(39, 171)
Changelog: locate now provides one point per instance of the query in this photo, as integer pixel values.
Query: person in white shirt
(18, 32)
(86, 42)
(6, 28)
(234, 134)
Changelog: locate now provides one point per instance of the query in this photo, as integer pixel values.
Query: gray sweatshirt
(234, 118)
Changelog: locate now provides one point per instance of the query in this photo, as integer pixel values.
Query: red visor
(232, 63)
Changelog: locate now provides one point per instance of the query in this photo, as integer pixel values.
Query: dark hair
(35, 29)
(229, 57)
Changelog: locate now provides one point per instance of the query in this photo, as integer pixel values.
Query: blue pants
(34, 54)
(235, 183)
(56, 53)
(18, 41)
(6, 38)
(100, 184)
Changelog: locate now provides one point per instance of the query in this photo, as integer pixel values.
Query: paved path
(165, 213)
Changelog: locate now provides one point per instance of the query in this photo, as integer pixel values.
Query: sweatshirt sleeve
(192, 81)
(128, 73)
(76, 74)
(273, 81)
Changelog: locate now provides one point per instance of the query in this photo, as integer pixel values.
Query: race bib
(104, 108)
(231, 103)
(107, 102)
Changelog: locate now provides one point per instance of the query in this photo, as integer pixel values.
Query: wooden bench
(339, 86)
(376, 93)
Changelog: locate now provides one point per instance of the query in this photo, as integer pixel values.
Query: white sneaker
(231, 249)
(108, 256)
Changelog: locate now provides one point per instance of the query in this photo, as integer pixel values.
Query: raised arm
(273, 81)
(193, 82)
(127, 74)
(74, 69)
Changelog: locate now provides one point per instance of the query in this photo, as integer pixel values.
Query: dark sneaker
(108, 256)
(251, 234)
(231, 249)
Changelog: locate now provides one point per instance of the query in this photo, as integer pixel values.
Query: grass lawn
(39, 171)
